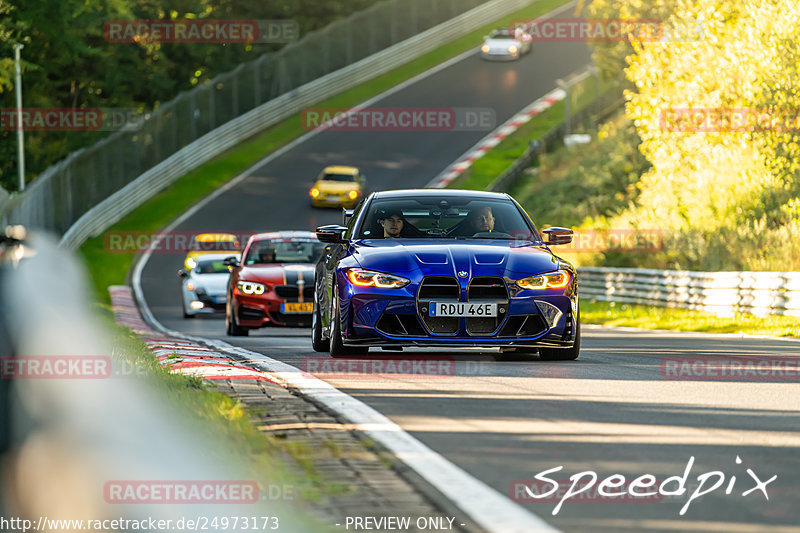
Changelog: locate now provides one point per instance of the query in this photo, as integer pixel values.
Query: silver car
(506, 44)
(204, 287)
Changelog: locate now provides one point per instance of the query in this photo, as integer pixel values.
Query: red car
(273, 284)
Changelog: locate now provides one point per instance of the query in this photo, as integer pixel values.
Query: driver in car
(479, 220)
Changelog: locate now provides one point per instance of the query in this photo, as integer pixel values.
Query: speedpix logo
(588, 486)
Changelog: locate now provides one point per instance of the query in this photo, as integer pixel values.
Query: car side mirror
(183, 274)
(331, 234)
(555, 235)
(231, 261)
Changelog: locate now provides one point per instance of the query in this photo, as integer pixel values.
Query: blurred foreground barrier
(93, 437)
(722, 293)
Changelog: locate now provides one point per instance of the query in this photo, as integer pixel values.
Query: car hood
(279, 273)
(476, 257)
(502, 44)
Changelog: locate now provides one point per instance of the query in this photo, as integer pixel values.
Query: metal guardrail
(85, 412)
(95, 187)
(722, 293)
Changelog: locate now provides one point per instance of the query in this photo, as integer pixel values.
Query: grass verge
(651, 317)
(109, 268)
(494, 162)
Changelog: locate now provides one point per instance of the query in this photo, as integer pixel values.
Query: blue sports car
(440, 269)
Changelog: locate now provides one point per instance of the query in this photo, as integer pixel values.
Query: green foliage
(724, 199)
(580, 187)
(722, 191)
(67, 61)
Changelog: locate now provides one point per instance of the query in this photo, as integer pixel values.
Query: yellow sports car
(210, 243)
(338, 186)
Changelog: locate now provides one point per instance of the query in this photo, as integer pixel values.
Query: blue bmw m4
(438, 268)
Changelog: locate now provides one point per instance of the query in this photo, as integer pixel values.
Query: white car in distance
(506, 44)
(204, 288)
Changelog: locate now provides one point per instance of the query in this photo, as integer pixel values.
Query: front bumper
(265, 310)
(499, 57)
(335, 200)
(212, 303)
(395, 317)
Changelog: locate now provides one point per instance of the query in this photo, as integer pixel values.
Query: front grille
(399, 324)
(483, 325)
(487, 288)
(490, 289)
(440, 289)
(291, 292)
(287, 291)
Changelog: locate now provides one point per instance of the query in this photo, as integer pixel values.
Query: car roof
(459, 193)
(217, 255)
(293, 234)
(214, 237)
(341, 169)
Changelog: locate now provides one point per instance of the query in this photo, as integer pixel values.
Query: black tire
(231, 328)
(563, 354)
(317, 342)
(337, 347)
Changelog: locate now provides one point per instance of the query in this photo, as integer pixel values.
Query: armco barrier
(88, 198)
(722, 293)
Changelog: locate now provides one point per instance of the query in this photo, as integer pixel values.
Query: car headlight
(512, 49)
(314, 192)
(551, 280)
(485, 49)
(249, 287)
(191, 263)
(352, 194)
(370, 278)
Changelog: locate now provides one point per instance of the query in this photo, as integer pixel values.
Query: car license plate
(297, 307)
(463, 309)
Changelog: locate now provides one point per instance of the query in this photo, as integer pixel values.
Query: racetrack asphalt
(613, 411)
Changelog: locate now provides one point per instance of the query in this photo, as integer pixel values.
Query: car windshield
(211, 266)
(501, 34)
(446, 217)
(283, 251)
(338, 177)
